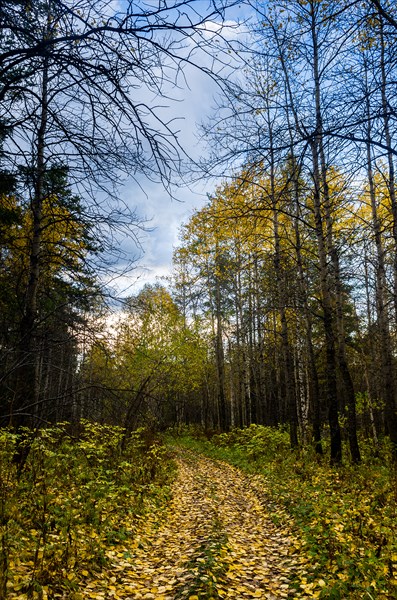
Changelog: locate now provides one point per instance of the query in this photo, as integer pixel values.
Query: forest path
(217, 540)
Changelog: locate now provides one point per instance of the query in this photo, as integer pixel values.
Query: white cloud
(165, 217)
(228, 30)
(188, 103)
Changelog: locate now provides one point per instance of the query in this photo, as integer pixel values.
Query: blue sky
(191, 105)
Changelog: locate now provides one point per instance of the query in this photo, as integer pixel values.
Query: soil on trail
(217, 540)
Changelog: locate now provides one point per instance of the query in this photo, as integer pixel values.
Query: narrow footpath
(217, 540)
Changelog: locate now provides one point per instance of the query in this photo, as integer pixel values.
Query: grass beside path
(215, 541)
(239, 516)
(344, 520)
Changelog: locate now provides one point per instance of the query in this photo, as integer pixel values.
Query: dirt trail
(216, 541)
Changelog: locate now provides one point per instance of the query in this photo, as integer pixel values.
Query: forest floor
(216, 539)
(237, 516)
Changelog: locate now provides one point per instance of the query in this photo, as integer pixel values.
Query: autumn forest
(229, 431)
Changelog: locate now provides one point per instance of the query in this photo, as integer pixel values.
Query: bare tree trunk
(220, 358)
(261, 392)
(314, 388)
(240, 354)
(328, 320)
(27, 383)
(232, 394)
(338, 295)
(326, 283)
(391, 404)
(279, 269)
(388, 375)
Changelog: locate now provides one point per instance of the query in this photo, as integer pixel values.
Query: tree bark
(326, 283)
(27, 384)
(391, 404)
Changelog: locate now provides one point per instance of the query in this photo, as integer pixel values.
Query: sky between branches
(189, 104)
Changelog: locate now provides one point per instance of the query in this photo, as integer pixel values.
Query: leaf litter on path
(216, 540)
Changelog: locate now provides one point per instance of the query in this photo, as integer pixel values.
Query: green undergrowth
(344, 519)
(77, 499)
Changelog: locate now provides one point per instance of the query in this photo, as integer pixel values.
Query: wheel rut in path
(217, 540)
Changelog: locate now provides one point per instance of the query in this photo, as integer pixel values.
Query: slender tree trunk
(328, 320)
(220, 358)
(287, 362)
(326, 283)
(388, 380)
(252, 343)
(232, 393)
(241, 358)
(262, 407)
(27, 383)
(391, 403)
(314, 388)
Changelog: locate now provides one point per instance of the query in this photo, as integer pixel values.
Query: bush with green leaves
(77, 495)
(344, 518)
(256, 441)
